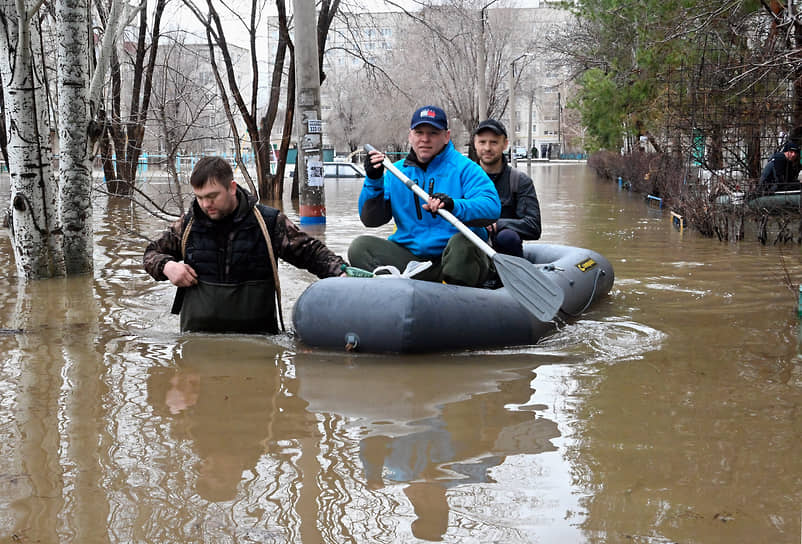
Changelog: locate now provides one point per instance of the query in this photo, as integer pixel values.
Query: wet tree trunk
(75, 173)
(35, 238)
(270, 184)
(3, 141)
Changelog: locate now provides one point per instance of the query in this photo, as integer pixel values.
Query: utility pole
(529, 137)
(513, 160)
(481, 62)
(512, 131)
(309, 162)
(559, 125)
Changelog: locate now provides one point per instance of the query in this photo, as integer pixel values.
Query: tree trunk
(3, 141)
(75, 172)
(796, 118)
(715, 157)
(35, 239)
(127, 134)
(289, 120)
(753, 149)
(274, 183)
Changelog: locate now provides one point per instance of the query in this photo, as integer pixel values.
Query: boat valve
(552, 268)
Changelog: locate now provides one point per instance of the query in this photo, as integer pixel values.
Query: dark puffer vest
(236, 291)
(232, 250)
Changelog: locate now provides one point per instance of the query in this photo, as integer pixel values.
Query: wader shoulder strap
(261, 221)
(184, 238)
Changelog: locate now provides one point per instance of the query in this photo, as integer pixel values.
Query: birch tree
(75, 172)
(51, 223)
(3, 141)
(35, 234)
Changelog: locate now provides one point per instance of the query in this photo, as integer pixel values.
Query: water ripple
(609, 340)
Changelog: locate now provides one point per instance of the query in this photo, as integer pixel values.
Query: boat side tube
(398, 315)
(584, 275)
(408, 316)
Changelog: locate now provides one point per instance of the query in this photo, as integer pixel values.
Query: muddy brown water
(670, 412)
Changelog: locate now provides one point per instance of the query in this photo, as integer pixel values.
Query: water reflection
(430, 439)
(241, 420)
(50, 415)
(669, 412)
(206, 405)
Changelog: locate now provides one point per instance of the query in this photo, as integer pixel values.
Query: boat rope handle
(590, 299)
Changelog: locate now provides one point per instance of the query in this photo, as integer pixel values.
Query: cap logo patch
(428, 113)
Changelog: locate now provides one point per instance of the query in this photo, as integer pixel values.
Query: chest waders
(232, 307)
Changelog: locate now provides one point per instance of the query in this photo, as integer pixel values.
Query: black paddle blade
(529, 286)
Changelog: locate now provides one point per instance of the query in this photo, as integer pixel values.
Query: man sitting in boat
(222, 255)
(453, 182)
(782, 171)
(520, 209)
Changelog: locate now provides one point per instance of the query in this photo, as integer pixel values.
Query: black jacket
(520, 209)
(779, 174)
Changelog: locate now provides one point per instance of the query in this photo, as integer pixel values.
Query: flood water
(669, 412)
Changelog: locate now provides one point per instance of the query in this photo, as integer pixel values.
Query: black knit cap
(491, 124)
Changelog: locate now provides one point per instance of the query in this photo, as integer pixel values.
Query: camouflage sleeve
(166, 248)
(303, 251)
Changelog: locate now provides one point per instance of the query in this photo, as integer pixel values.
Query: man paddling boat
(454, 183)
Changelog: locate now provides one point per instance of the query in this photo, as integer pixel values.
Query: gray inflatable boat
(399, 315)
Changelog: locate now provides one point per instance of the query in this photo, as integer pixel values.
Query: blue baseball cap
(429, 115)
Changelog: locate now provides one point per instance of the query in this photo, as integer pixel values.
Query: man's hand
(374, 168)
(437, 201)
(180, 274)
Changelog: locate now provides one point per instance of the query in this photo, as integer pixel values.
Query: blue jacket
(476, 202)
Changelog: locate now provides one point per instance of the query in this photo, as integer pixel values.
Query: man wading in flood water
(219, 257)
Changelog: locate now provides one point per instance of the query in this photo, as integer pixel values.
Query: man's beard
(495, 162)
